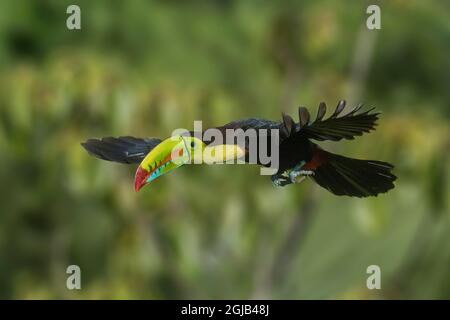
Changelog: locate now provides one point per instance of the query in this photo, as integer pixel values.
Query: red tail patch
(319, 158)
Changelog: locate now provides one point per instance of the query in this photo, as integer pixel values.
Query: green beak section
(165, 157)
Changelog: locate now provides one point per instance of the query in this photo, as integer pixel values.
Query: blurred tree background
(144, 68)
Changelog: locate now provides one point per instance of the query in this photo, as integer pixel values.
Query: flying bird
(299, 156)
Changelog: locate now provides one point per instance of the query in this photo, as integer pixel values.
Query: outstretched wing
(121, 149)
(337, 126)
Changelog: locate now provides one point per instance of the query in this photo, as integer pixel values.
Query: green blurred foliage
(144, 68)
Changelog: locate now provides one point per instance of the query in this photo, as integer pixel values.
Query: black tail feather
(353, 177)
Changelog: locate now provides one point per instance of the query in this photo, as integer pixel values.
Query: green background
(144, 68)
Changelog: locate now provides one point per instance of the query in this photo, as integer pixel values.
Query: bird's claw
(280, 180)
(294, 174)
(289, 177)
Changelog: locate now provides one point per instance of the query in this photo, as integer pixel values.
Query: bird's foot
(280, 180)
(294, 174)
(291, 176)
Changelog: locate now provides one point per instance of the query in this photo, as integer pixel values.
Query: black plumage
(121, 149)
(338, 174)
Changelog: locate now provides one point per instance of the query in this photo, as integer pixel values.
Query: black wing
(121, 149)
(337, 126)
(334, 128)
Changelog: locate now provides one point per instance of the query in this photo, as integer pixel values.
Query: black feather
(304, 116)
(334, 128)
(122, 149)
(339, 108)
(289, 123)
(354, 177)
(321, 111)
(337, 127)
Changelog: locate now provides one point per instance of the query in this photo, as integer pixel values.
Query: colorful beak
(165, 157)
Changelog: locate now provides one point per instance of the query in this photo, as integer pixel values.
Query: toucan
(299, 156)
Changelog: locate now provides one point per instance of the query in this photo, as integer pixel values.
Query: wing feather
(122, 149)
(336, 127)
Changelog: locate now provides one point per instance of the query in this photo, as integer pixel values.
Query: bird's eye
(192, 144)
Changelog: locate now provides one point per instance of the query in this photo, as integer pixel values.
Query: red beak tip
(140, 178)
